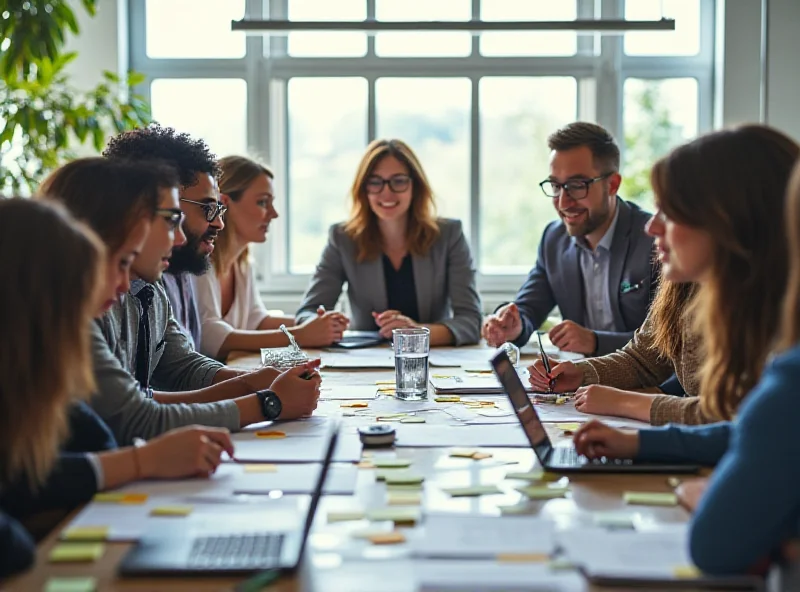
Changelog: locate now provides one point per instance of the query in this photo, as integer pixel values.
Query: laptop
(186, 554)
(565, 459)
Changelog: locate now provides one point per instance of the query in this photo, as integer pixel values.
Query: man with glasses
(595, 263)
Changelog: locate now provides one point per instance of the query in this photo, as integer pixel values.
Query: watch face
(272, 406)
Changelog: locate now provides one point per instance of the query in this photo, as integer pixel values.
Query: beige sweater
(639, 365)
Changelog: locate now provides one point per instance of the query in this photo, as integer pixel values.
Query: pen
(551, 385)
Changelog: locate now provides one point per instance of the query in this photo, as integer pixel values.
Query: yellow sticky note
(389, 538)
(176, 511)
(481, 455)
(391, 463)
(403, 478)
(542, 476)
(412, 419)
(85, 533)
(388, 382)
(77, 552)
(270, 434)
(647, 498)
(260, 468)
(543, 493)
(365, 464)
(404, 498)
(396, 515)
(71, 585)
(568, 427)
(463, 452)
(120, 498)
(345, 516)
(686, 572)
(522, 557)
(442, 376)
(472, 491)
(354, 405)
(447, 399)
(391, 416)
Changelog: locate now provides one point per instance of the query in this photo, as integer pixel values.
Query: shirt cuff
(97, 468)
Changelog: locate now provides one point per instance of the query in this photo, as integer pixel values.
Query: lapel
(619, 255)
(423, 283)
(573, 284)
(371, 274)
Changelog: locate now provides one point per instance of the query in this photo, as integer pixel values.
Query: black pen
(551, 385)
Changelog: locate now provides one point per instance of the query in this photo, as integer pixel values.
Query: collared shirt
(595, 267)
(182, 297)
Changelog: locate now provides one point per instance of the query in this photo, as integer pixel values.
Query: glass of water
(411, 349)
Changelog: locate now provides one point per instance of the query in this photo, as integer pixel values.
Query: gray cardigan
(444, 280)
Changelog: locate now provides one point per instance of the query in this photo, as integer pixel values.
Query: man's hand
(571, 337)
(504, 325)
(298, 390)
(690, 492)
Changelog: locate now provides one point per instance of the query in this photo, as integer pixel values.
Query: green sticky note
(391, 463)
(516, 509)
(647, 498)
(472, 491)
(175, 511)
(404, 487)
(345, 516)
(403, 478)
(404, 498)
(401, 515)
(77, 552)
(71, 585)
(85, 533)
(543, 493)
(542, 476)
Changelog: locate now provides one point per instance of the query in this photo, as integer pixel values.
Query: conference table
(336, 561)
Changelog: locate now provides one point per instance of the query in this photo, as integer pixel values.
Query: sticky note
(404, 487)
(366, 533)
(542, 493)
(561, 400)
(120, 498)
(473, 491)
(389, 382)
(176, 511)
(365, 464)
(481, 456)
(686, 572)
(673, 482)
(260, 468)
(396, 515)
(448, 399)
(442, 376)
(77, 552)
(389, 538)
(515, 509)
(355, 405)
(391, 416)
(382, 474)
(463, 452)
(412, 419)
(522, 557)
(345, 516)
(403, 478)
(568, 427)
(71, 585)
(392, 463)
(613, 520)
(647, 498)
(274, 434)
(85, 533)
(542, 476)
(404, 498)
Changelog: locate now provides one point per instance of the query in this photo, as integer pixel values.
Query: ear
(614, 181)
(225, 200)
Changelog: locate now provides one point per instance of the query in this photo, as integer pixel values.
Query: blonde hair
(46, 313)
(732, 185)
(237, 173)
(362, 226)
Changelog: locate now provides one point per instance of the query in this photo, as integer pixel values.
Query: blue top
(752, 504)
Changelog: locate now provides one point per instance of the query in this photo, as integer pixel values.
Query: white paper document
(478, 536)
(472, 384)
(471, 358)
(434, 575)
(373, 357)
(351, 392)
(422, 436)
(250, 446)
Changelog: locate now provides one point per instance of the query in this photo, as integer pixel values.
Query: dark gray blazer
(444, 281)
(557, 280)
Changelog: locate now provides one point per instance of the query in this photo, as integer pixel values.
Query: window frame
(266, 68)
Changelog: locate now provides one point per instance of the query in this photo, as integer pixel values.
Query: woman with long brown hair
(714, 320)
(232, 315)
(403, 266)
(749, 508)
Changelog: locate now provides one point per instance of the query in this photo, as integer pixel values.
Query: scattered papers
(378, 357)
(436, 575)
(472, 384)
(647, 498)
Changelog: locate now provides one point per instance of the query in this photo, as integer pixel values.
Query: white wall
(99, 44)
(783, 83)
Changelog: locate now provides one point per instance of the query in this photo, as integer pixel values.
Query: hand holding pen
(551, 384)
(561, 377)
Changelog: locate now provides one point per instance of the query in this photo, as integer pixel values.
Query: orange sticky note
(120, 498)
(481, 455)
(274, 434)
(354, 405)
(389, 538)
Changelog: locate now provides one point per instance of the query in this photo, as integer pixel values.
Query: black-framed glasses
(397, 183)
(212, 210)
(575, 188)
(173, 216)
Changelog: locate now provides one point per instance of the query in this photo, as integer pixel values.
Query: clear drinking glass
(411, 349)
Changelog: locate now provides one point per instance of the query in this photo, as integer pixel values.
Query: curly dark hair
(189, 156)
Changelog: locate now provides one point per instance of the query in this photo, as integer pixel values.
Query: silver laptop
(235, 554)
(564, 459)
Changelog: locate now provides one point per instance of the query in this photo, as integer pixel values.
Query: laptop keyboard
(236, 551)
(568, 456)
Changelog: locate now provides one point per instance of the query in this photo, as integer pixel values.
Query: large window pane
(426, 44)
(325, 146)
(194, 28)
(523, 43)
(684, 40)
(659, 115)
(327, 45)
(212, 109)
(432, 116)
(517, 115)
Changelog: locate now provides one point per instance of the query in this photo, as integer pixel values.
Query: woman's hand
(389, 320)
(565, 377)
(595, 439)
(184, 452)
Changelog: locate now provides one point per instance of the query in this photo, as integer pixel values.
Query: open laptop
(234, 554)
(564, 459)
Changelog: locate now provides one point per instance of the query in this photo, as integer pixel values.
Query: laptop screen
(523, 407)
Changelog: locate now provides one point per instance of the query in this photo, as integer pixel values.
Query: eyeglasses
(397, 183)
(212, 210)
(173, 216)
(575, 188)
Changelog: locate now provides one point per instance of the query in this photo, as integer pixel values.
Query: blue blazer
(557, 280)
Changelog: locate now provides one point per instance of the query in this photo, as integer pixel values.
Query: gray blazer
(444, 281)
(556, 280)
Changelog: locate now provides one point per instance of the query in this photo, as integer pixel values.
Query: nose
(124, 282)
(564, 199)
(272, 213)
(655, 225)
(179, 238)
(217, 223)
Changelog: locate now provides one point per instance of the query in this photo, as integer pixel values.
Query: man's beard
(187, 258)
(594, 220)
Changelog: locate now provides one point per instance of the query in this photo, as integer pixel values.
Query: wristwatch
(271, 405)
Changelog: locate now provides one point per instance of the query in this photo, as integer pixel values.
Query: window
(477, 111)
